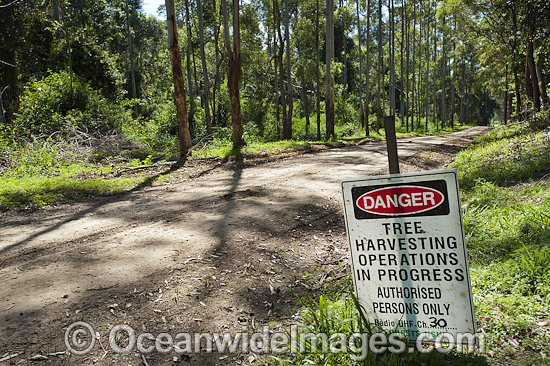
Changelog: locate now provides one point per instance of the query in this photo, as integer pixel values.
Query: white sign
(409, 259)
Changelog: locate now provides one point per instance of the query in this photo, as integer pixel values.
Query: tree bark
(533, 75)
(287, 121)
(360, 91)
(379, 105)
(206, 87)
(443, 76)
(401, 85)
(505, 102)
(367, 75)
(407, 75)
(540, 77)
(188, 52)
(427, 111)
(131, 57)
(306, 104)
(318, 71)
(413, 99)
(329, 99)
(235, 72)
(392, 58)
(179, 84)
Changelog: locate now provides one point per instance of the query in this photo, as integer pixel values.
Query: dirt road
(229, 247)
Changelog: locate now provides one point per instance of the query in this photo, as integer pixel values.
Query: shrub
(52, 105)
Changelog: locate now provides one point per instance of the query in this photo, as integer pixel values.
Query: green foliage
(540, 120)
(345, 109)
(157, 132)
(511, 297)
(342, 315)
(55, 104)
(505, 161)
(508, 235)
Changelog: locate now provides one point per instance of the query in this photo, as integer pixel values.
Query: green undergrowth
(504, 157)
(341, 319)
(44, 172)
(504, 181)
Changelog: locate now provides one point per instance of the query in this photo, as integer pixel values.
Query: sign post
(409, 259)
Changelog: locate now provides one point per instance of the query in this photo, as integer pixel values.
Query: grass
(341, 319)
(504, 158)
(32, 191)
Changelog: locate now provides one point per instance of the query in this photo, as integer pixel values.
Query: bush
(51, 105)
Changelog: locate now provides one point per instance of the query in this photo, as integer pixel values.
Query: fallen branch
(9, 357)
(143, 167)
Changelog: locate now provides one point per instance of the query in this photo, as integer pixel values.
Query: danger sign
(409, 259)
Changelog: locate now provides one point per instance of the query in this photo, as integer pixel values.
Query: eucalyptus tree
(329, 98)
(235, 72)
(367, 75)
(287, 120)
(360, 66)
(206, 86)
(179, 83)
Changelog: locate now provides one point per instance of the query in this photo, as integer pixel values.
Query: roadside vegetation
(505, 191)
(65, 146)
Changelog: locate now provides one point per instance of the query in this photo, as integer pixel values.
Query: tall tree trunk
(329, 99)
(505, 104)
(367, 75)
(517, 89)
(360, 91)
(463, 92)
(392, 58)
(276, 73)
(306, 103)
(413, 100)
(344, 55)
(379, 105)
(401, 85)
(235, 72)
(540, 77)
(188, 52)
(206, 87)
(179, 84)
(131, 57)
(427, 111)
(434, 73)
(528, 84)
(443, 76)
(318, 71)
(453, 92)
(287, 121)
(407, 72)
(281, 70)
(530, 61)
(69, 46)
(215, 120)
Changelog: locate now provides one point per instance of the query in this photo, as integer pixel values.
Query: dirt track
(227, 248)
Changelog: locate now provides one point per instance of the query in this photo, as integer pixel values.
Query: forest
(308, 69)
(183, 172)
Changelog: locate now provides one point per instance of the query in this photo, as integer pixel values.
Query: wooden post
(391, 144)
